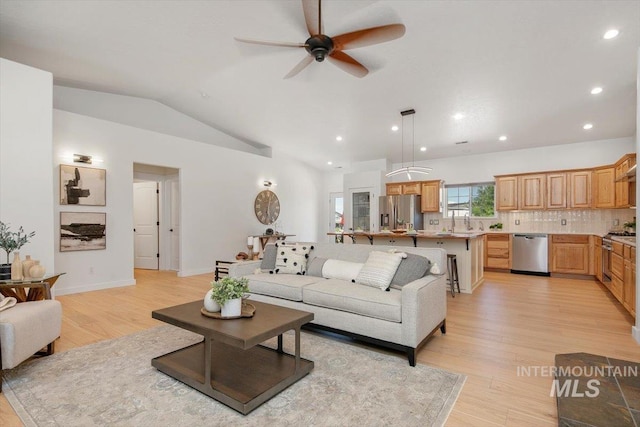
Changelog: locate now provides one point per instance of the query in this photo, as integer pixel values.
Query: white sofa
(402, 319)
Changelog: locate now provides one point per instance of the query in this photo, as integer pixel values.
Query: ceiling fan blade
(368, 36)
(348, 64)
(270, 43)
(308, 59)
(312, 10)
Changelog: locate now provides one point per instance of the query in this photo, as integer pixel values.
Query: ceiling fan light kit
(413, 168)
(320, 46)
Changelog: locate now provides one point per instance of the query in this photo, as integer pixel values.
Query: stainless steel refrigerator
(396, 212)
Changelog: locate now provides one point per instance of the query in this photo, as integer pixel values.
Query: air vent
(462, 142)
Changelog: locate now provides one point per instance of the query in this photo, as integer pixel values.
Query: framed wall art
(83, 186)
(83, 231)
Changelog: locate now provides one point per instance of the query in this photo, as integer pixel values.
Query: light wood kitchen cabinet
(629, 280)
(506, 193)
(557, 190)
(412, 188)
(571, 253)
(532, 192)
(603, 187)
(498, 251)
(624, 188)
(617, 260)
(597, 257)
(579, 189)
(394, 189)
(430, 200)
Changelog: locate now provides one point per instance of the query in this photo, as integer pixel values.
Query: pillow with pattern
(292, 258)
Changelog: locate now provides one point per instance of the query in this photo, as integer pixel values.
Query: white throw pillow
(292, 258)
(343, 270)
(379, 269)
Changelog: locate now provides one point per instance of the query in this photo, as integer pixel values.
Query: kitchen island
(467, 246)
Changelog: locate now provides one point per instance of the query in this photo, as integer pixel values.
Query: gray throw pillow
(411, 268)
(269, 257)
(314, 268)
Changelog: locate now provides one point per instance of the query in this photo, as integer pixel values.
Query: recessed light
(338, 138)
(329, 162)
(503, 138)
(423, 148)
(596, 90)
(394, 128)
(458, 116)
(612, 33)
(587, 126)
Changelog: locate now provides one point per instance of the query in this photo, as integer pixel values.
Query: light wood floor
(510, 321)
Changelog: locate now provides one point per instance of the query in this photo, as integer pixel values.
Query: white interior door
(145, 214)
(174, 224)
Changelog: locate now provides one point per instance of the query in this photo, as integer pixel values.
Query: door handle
(171, 229)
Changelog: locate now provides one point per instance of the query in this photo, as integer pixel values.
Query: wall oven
(606, 259)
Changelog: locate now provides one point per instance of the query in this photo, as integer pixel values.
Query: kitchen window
(476, 200)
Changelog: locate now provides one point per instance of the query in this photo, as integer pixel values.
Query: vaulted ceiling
(522, 69)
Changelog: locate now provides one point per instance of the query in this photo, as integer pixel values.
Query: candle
(250, 241)
(256, 244)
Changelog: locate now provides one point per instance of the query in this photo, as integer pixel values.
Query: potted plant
(630, 226)
(11, 241)
(229, 292)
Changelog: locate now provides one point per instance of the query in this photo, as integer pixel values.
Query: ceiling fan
(320, 46)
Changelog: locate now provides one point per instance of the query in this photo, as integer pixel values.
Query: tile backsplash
(597, 221)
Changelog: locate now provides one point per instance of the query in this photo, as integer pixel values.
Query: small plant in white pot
(229, 292)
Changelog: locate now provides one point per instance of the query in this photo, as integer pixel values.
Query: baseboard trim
(92, 287)
(187, 273)
(635, 332)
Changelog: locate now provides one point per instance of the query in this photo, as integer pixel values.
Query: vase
(16, 267)
(232, 308)
(37, 271)
(210, 304)
(5, 272)
(26, 265)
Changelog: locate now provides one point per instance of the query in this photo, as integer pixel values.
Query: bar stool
(452, 269)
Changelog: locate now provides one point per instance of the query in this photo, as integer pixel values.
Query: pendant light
(413, 168)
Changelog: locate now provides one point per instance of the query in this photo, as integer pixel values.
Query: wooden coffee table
(229, 365)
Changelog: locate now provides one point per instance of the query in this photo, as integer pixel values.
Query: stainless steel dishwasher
(530, 254)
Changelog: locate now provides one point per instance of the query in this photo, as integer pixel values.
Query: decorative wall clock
(267, 207)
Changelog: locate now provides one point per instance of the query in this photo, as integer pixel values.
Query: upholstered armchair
(28, 328)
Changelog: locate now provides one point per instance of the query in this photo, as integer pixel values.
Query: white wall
(483, 167)
(218, 187)
(26, 180)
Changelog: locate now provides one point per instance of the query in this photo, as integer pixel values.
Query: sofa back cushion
(411, 268)
(314, 267)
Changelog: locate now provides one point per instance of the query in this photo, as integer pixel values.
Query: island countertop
(420, 235)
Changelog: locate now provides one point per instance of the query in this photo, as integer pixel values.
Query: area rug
(113, 383)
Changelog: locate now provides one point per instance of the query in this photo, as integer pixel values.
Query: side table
(20, 289)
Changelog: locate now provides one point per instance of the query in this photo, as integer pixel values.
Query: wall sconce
(267, 184)
(81, 158)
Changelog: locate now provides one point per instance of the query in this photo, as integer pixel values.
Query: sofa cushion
(343, 270)
(287, 286)
(411, 268)
(268, 257)
(314, 267)
(380, 269)
(292, 258)
(363, 300)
